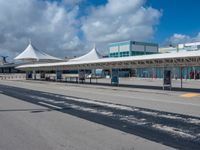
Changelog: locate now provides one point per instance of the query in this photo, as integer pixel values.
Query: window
(113, 54)
(136, 53)
(124, 54)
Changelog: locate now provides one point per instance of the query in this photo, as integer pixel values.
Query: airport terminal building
(130, 58)
(134, 48)
(188, 72)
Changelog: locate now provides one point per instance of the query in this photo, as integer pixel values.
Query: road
(176, 129)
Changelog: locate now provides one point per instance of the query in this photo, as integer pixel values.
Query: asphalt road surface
(169, 128)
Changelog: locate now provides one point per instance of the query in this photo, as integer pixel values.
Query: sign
(58, 75)
(115, 76)
(42, 75)
(81, 75)
(29, 75)
(167, 78)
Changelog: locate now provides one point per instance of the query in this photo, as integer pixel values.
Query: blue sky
(71, 27)
(179, 16)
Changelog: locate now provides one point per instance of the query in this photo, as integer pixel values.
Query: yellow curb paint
(189, 95)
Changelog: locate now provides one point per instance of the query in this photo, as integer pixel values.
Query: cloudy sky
(71, 27)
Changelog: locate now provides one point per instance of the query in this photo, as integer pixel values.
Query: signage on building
(81, 75)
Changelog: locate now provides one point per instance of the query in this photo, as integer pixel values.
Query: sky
(71, 27)
(178, 17)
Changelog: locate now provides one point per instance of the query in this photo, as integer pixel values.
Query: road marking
(189, 95)
(57, 107)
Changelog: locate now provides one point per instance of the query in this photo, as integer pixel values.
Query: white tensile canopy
(92, 55)
(183, 58)
(33, 54)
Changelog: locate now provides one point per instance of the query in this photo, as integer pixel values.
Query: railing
(13, 76)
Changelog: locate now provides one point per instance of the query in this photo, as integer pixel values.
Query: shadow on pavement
(24, 110)
(82, 109)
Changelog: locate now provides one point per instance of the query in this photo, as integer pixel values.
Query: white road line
(57, 107)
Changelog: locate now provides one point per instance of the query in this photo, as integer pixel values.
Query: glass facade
(124, 54)
(114, 54)
(187, 72)
(131, 48)
(129, 53)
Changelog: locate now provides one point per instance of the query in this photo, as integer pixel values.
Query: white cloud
(182, 38)
(120, 20)
(179, 38)
(197, 38)
(59, 28)
(51, 26)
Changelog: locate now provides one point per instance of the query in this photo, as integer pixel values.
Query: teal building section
(132, 48)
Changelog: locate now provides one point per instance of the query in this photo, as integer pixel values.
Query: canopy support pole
(181, 77)
(194, 73)
(34, 75)
(78, 76)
